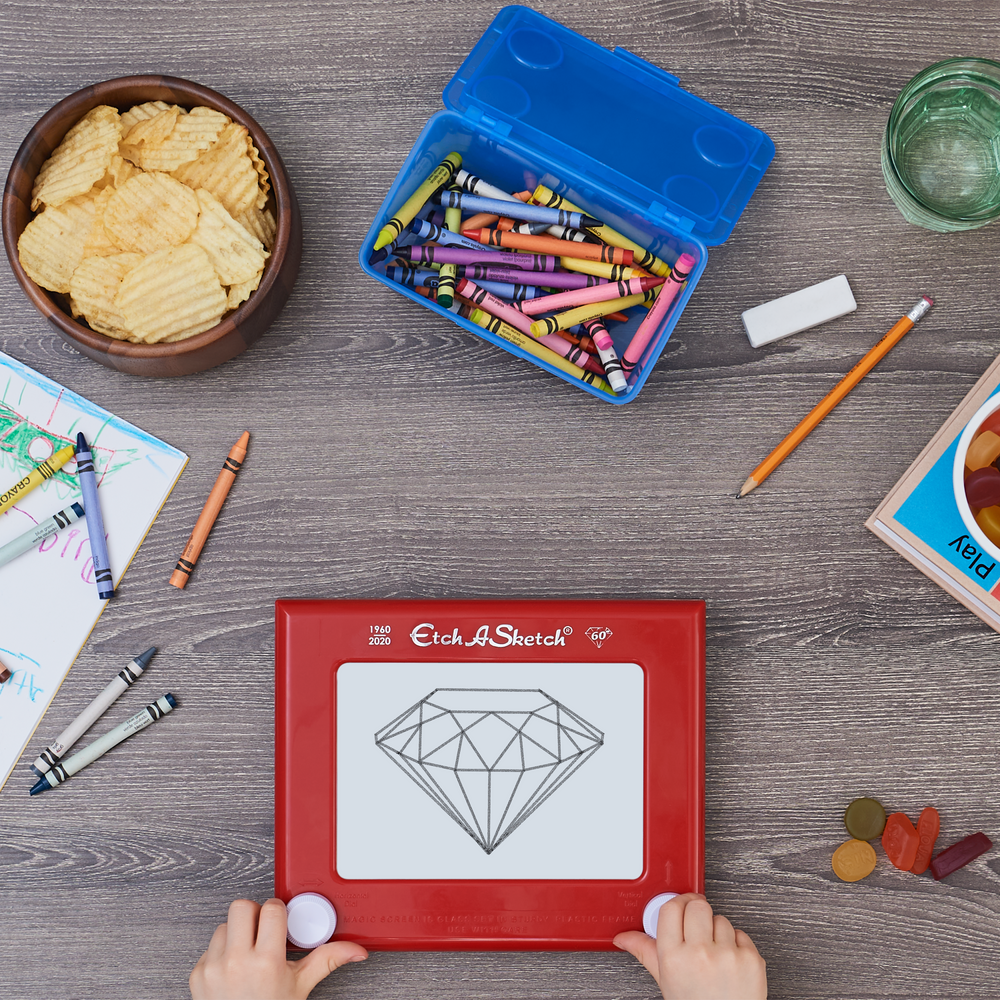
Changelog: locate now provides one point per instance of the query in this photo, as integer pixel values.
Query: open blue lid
(614, 118)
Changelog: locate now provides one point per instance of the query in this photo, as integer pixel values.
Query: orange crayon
(550, 245)
(224, 482)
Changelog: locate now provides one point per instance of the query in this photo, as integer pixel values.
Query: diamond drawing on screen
(489, 757)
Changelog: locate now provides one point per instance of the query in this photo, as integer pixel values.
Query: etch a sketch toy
(486, 774)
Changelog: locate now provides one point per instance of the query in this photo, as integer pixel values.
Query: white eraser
(799, 311)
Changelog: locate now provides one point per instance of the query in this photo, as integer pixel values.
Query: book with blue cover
(919, 517)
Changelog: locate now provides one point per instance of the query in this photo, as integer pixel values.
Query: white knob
(311, 920)
(651, 914)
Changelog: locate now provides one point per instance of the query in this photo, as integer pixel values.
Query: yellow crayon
(38, 474)
(439, 176)
(593, 310)
(643, 258)
(522, 340)
(601, 269)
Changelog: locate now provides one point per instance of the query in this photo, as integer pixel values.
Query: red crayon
(550, 245)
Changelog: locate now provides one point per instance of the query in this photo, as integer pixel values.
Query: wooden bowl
(237, 330)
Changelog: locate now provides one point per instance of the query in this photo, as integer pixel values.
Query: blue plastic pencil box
(535, 102)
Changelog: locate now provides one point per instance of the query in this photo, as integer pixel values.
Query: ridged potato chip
(150, 212)
(118, 173)
(80, 160)
(260, 223)
(235, 254)
(51, 247)
(147, 135)
(139, 112)
(173, 293)
(238, 294)
(98, 243)
(226, 170)
(94, 287)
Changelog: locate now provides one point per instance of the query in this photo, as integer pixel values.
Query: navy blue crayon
(515, 210)
(95, 523)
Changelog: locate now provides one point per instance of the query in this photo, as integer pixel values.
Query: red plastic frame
(313, 638)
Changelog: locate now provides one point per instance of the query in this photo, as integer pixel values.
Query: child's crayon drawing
(53, 583)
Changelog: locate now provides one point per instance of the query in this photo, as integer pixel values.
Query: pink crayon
(648, 327)
(497, 307)
(606, 351)
(583, 296)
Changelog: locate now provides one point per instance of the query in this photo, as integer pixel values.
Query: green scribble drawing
(18, 434)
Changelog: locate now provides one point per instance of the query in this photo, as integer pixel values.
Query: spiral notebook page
(48, 599)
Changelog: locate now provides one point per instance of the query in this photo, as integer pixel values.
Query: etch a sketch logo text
(425, 634)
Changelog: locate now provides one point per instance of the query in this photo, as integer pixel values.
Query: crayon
(449, 272)
(45, 470)
(472, 184)
(606, 351)
(435, 181)
(520, 322)
(550, 245)
(119, 684)
(514, 292)
(601, 269)
(413, 277)
(526, 228)
(225, 480)
(95, 523)
(62, 772)
(643, 257)
(598, 293)
(531, 346)
(39, 532)
(460, 255)
(5, 674)
(619, 317)
(651, 322)
(515, 209)
(582, 313)
(439, 234)
(579, 338)
(558, 279)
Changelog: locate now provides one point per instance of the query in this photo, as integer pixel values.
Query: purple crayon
(463, 255)
(557, 279)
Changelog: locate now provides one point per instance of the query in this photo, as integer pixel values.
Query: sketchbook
(920, 520)
(49, 602)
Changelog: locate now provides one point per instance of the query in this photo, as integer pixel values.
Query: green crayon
(439, 176)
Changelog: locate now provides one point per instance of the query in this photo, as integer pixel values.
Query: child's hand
(246, 959)
(697, 956)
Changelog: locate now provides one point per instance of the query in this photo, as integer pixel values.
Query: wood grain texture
(395, 455)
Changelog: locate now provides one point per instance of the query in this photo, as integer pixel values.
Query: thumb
(642, 947)
(321, 961)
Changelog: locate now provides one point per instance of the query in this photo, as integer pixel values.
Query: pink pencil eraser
(799, 311)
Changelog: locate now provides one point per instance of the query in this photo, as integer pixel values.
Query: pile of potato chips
(152, 221)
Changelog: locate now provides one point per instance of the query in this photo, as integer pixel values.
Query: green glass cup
(941, 146)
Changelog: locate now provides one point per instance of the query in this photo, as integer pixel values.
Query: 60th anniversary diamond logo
(599, 634)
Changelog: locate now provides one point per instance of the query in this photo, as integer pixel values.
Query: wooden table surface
(396, 455)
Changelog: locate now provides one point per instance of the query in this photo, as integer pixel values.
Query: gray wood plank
(396, 455)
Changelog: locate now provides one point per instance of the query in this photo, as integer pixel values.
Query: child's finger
(218, 943)
(743, 941)
(642, 947)
(698, 927)
(272, 926)
(242, 924)
(724, 933)
(321, 961)
(670, 923)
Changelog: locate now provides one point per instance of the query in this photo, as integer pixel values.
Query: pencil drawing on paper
(489, 757)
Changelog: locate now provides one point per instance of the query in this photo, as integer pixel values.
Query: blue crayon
(509, 291)
(95, 523)
(516, 210)
(411, 277)
(438, 234)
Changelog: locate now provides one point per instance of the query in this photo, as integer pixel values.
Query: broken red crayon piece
(928, 828)
(900, 841)
(960, 854)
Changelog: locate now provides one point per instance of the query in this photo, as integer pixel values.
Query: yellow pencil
(38, 474)
(843, 387)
